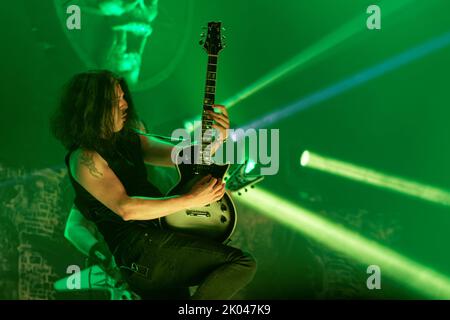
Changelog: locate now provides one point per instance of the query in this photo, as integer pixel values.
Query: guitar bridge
(196, 213)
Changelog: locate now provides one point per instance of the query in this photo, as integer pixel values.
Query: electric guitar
(217, 220)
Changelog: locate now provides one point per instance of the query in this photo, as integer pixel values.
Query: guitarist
(97, 123)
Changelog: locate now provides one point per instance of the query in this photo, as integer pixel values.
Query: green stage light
(413, 275)
(189, 126)
(374, 178)
(250, 166)
(304, 159)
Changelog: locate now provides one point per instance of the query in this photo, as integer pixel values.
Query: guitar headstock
(213, 39)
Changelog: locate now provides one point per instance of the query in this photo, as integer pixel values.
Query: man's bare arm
(86, 159)
(101, 182)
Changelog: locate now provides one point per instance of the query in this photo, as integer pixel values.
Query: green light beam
(413, 275)
(374, 178)
(333, 39)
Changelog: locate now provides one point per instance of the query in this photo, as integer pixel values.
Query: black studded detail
(223, 219)
(223, 207)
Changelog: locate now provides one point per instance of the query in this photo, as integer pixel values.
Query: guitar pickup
(196, 213)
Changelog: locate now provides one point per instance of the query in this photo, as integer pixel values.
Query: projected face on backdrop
(118, 35)
(131, 24)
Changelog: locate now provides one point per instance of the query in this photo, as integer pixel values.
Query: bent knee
(249, 260)
(246, 261)
(249, 264)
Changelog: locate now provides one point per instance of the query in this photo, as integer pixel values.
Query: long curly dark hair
(84, 117)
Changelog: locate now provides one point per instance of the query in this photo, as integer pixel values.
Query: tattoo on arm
(86, 159)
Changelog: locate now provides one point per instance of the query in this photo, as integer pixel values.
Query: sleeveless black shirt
(126, 161)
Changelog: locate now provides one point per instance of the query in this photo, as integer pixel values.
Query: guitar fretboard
(210, 86)
(208, 101)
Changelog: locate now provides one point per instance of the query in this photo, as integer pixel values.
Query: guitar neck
(208, 102)
(210, 84)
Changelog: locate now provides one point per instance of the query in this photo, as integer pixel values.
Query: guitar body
(215, 221)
